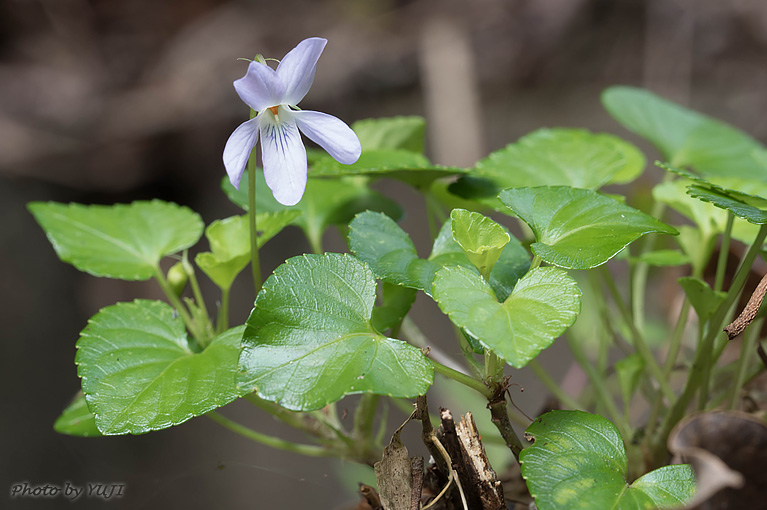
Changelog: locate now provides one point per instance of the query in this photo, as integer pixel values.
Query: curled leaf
(728, 451)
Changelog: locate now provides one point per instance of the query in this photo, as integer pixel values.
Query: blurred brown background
(108, 101)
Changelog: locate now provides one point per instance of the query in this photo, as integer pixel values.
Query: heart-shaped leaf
(377, 240)
(139, 372)
(326, 202)
(120, 241)
(480, 238)
(562, 157)
(543, 304)
(230, 243)
(578, 228)
(391, 147)
(578, 461)
(309, 340)
(683, 136)
(77, 419)
(410, 167)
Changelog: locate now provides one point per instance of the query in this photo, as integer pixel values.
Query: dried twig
(748, 314)
(500, 418)
(416, 471)
(452, 477)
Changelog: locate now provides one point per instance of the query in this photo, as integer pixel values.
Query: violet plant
(328, 325)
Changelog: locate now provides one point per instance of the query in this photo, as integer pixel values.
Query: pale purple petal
(260, 87)
(238, 148)
(296, 69)
(330, 133)
(284, 157)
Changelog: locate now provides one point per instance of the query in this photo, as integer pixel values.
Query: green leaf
(749, 191)
(402, 132)
(703, 298)
(120, 241)
(562, 157)
(578, 461)
(391, 147)
(510, 267)
(377, 240)
(410, 167)
(139, 372)
(725, 201)
(543, 304)
(309, 340)
(577, 228)
(664, 258)
(326, 202)
(395, 304)
(629, 371)
(230, 243)
(77, 419)
(634, 160)
(683, 136)
(708, 218)
(711, 220)
(480, 238)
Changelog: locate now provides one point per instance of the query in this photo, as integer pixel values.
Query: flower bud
(177, 278)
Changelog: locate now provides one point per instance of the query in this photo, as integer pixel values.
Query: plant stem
(602, 393)
(312, 424)
(673, 352)
(415, 336)
(639, 344)
(493, 367)
(639, 275)
(700, 370)
(179, 306)
(500, 417)
(274, 442)
(462, 378)
(715, 325)
(747, 347)
(255, 262)
(553, 386)
(315, 241)
(364, 416)
(724, 251)
(189, 269)
(676, 339)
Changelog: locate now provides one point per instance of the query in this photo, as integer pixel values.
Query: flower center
(273, 109)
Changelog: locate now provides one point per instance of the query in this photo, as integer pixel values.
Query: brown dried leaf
(728, 451)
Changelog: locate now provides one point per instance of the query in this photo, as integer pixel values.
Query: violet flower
(274, 95)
